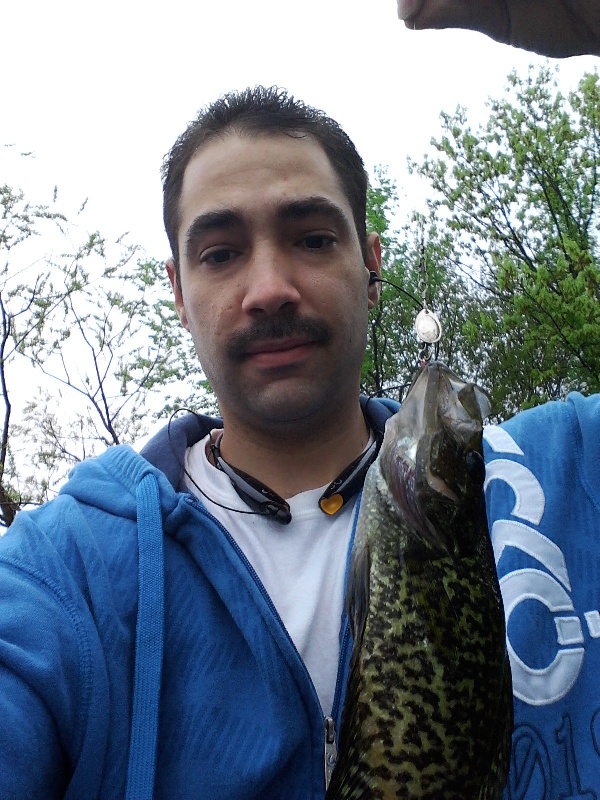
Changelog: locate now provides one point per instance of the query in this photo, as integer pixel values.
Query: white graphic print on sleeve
(551, 587)
(551, 758)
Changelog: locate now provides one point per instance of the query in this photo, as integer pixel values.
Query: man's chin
(286, 406)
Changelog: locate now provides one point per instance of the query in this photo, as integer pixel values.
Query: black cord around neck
(263, 501)
(191, 479)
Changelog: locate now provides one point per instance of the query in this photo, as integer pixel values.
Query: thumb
(408, 8)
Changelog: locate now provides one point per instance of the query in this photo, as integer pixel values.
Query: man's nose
(270, 282)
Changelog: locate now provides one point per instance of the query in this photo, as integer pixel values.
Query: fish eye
(475, 466)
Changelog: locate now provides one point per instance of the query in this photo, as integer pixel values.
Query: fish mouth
(431, 457)
(440, 487)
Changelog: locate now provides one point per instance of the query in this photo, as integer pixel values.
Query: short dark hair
(261, 110)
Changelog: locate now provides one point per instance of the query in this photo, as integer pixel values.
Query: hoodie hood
(93, 481)
(109, 482)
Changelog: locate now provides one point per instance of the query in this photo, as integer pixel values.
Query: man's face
(273, 286)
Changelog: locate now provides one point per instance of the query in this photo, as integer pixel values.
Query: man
(164, 631)
(171, 626)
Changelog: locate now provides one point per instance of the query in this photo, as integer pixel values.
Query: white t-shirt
(301, 565)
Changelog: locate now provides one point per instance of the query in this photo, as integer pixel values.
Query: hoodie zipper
(333, 722)
(329, 722)
(330, 749)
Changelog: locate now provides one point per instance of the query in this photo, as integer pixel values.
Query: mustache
(280, 326)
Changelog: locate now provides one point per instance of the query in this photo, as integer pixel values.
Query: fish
(428, 709)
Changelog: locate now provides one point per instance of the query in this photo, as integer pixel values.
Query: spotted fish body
(428, 706)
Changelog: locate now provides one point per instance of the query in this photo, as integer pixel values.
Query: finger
(408, 8)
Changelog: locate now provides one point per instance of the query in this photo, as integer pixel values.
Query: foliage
(416, 259)
(520, 197)
(92, 326)
(22, 309)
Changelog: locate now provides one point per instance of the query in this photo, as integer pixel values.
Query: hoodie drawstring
(148, 643)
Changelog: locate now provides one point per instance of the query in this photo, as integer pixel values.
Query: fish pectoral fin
(357, 595)
(440, 486)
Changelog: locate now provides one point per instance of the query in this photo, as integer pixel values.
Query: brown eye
(317, 241)
(218, 257)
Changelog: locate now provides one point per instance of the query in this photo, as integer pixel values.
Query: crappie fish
(428, 706)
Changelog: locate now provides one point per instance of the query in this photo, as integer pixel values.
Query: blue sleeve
(45, 676)
(32, 762)
(543, 501)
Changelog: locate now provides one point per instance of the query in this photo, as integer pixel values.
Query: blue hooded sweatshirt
(140, 656)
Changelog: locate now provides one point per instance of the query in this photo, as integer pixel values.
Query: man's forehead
(277, 169)
(234, 153)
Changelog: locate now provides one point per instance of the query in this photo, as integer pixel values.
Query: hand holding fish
(428, 707)
(556, 28)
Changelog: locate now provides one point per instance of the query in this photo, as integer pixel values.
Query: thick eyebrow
(302, 208)
(211, 221)
(306, 207)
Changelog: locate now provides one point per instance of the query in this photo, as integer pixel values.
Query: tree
(94, 329)
(23, 309)
(506, 254)
(416, 260)
(520, 198)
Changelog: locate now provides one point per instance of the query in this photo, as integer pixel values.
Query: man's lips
(279, 352)
(285, 333)
(277, 345)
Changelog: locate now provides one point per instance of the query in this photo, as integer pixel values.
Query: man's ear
(373, 264)
(175, 281)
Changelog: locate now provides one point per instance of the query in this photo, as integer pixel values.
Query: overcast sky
(100, 91)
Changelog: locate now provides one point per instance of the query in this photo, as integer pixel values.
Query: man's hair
(272, 111)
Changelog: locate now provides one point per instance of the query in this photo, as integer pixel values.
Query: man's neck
(290, 462)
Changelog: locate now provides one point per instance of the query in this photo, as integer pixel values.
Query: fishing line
(374, 278)
(429, 336)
